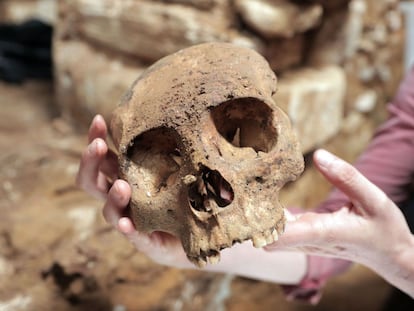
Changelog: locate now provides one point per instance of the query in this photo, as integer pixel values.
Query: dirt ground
(57, 253)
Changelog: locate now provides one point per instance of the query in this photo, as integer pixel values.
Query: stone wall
(338, 62)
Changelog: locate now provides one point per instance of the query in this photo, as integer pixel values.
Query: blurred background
(61, 62)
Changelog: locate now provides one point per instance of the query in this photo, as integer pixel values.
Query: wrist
(399, 271)
(405, 258)
(403, 254)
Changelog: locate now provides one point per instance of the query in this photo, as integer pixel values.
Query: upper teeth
(259, 240)
(263, 239)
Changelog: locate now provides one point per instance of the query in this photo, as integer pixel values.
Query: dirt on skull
(206, 149)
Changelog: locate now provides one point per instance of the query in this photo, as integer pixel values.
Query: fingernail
(96, 118)
(324, 157)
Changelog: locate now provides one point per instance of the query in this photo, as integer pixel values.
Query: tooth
(214, 259)
(200, 262)
(269, 238)
(259, 241)
(275, 235)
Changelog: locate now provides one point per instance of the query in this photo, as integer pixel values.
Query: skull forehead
(181, 86)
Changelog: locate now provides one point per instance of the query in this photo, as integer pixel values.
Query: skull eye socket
(157, 159)
(246, 122)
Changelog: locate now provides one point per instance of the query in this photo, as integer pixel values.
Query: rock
(17, 11)
(149, 29)
(366, 101)
(314, 101)
(278, 18)
(283, 54)
(94, 84)
(331, 5)
(339, 36)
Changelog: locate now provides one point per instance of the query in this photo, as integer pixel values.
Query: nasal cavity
(210, 185)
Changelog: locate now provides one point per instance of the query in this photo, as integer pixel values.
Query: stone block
(339, 35)
(91, 80)
(278, 18)
(150, 30)
(17, 11)
(283, 53)
(314, 100)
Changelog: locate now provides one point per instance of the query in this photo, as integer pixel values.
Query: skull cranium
(206, 150)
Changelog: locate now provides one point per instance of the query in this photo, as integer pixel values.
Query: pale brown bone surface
(206, 149)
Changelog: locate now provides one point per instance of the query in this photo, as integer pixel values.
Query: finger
(308, 229)
(141, 241)
(161, 247)
(110, 166)
(126, 226)
(98, 129)
(318, 230)
(89, 177)
(117, 201)
(364, 195)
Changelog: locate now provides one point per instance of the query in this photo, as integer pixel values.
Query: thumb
(305, 229)
(364, 195)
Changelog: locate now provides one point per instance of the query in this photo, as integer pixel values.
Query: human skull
(206, 149)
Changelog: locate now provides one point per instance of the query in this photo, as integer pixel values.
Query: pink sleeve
(388, 162)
